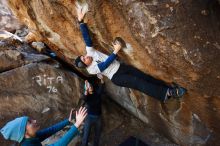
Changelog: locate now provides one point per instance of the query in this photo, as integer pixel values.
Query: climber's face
(88, 87)
(31, 128)
(86, 59)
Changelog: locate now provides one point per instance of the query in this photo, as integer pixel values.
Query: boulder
(176, 41)
(7, 19)
(14, 53)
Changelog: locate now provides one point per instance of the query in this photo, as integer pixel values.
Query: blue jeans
(91, 121)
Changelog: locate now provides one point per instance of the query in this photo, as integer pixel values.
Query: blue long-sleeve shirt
(103, 65)
(85, 33)
(47, 132)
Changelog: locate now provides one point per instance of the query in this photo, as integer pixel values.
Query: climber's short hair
(79, 63)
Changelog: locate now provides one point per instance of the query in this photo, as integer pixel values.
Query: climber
(121, 74)
(92, 98)
(26, 131)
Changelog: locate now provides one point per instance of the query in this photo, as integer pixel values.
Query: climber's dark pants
(128, 76)
(91, 121)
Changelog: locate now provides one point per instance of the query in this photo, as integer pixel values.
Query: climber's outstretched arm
(85, 33)
(66, 139)
(105, 64)
(83, 27)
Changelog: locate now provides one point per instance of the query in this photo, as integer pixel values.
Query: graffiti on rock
(49, 82)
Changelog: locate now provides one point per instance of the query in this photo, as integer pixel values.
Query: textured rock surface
(173, 40)
(14, 53)
(7, 20)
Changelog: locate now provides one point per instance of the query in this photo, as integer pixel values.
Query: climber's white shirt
(100, 57)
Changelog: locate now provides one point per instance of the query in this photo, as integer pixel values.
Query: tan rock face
(172, 40)
(7, 20)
